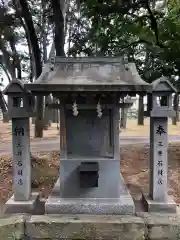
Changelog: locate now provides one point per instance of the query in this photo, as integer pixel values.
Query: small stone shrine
(161, 108)
(89, 90)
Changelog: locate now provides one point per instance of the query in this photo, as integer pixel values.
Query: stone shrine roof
(15, 87)
(89, 74)
(162, 84)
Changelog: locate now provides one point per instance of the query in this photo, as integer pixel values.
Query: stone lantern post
(161, 108)
(20, 108)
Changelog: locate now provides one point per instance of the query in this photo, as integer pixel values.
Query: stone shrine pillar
(20, 108)
(158, 158)
(21, 159)
(158, 199)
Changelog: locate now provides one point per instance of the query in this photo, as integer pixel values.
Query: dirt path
(41, 145)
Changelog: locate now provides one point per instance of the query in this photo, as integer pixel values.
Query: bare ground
(134, 130)
(134, 168)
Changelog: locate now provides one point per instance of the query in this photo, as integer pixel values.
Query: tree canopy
(147, 32)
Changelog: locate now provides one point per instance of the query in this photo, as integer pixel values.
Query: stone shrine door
(88, 135)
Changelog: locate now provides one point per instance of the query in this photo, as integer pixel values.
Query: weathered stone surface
(21, 159)
(85, 73)
(122, 205)
(81, 227)
(12, 227)
(85, 227)
(29, 206)
(158, 199)
(158, 159)
(162, 226)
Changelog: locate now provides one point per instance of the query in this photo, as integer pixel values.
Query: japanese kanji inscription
(21, 159)
(159, 160)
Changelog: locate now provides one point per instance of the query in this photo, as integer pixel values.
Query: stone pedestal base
(12, 206)
(124, 205)
(156, 206)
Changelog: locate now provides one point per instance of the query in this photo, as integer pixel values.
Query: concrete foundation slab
(156, 206)
(12, 206)
(123, 205)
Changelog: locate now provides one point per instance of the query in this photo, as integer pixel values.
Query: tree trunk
(123, 118)
(44, 34)
(33, 120)
(4, 108)
(174, 122)
(5, 117)
(149, 104)
(55, 113)
(16, 60)
(59, 27)
(39, 122)
(6, 59)
(141, 110)
(3, 104)
(32, 35)
(54, 119)
(47, 113)
(25, 13)
(176, 109)
(7, 73)
(58, 119)
(177, 115)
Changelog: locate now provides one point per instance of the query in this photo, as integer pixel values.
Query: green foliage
(148, 36)
(15, 49)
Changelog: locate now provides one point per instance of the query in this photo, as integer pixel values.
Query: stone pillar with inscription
(158, 199)
(21, 159)
(20, 105)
